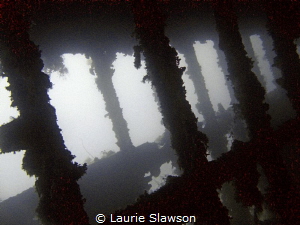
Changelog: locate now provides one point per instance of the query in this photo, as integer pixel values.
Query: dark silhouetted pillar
(248, 90)
(36, 130)
(102, 62)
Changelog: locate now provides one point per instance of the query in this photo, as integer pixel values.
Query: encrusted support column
(248, 90)
(204, 106)
(36, 130)
(284, 30)
(283, 27)
(217, 139)
(163, 71)
(102, 62)
(189, 143)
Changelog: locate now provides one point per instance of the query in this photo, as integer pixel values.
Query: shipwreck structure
(34, 34)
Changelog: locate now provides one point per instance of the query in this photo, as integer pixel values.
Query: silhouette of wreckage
(265, 149)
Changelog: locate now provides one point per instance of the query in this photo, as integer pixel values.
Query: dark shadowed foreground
(253, 181)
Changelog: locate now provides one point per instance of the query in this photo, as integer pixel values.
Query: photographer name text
(152, 218)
